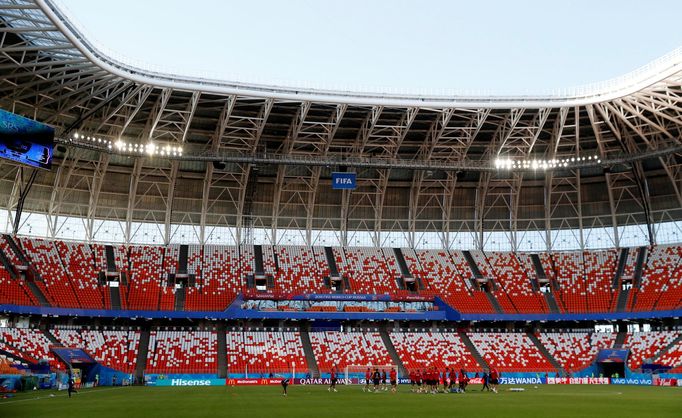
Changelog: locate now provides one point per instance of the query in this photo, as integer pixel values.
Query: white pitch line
(61, 396)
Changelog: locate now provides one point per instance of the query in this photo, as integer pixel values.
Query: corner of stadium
(181, 232)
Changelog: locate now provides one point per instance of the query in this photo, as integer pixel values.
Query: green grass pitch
(350, 401)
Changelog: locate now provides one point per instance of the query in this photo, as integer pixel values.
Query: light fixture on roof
(536, 164)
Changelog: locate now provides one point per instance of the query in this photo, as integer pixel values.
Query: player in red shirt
(494, 379)
(368, 378)
(419, 381)
(412, 380)
(332, 386)
(453, 378)
(463, 380)
(393, 377)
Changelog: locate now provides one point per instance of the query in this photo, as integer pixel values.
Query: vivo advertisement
(25, 141)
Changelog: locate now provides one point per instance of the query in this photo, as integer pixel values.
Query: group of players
(430, 379)
(426, 380)
(378, 380)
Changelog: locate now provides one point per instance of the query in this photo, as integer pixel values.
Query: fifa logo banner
(343, 181)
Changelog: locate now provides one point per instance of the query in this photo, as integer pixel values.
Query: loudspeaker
(218, 165)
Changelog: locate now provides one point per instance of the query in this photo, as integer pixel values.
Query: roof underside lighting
(150, 148)
(541, 164)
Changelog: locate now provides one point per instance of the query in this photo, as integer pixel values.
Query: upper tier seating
(444, 279)
(368, 270)
(67, 274)
(341, 349)
(146, 275)
(14, 291)
(258, 352)
(56, 284)
(511, 352)
(600, 268)
(221, 279)
(570, 273)
(658, 279)
(115, 349)
(80, 264)
(645, 345)
(576, 350)
(419, 350)
(182, 352)
(298, 271)
(515, 284)
(671, 292)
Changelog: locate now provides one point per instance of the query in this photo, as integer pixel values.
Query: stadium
(186, 231)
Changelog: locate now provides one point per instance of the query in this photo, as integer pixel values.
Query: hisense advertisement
(26, 141)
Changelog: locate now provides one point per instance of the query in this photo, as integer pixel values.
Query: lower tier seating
(341, 349)
(28, 343)
(576, 350)
(672, 357)
(644, 346)
(511, 352)
(419, 350)
(182, 352)
(263, 353)
(115, 349)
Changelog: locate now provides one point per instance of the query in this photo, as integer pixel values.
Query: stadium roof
(246, 155)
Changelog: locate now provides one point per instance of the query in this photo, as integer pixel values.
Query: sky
(428, 46)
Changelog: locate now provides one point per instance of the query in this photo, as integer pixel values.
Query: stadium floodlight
(544, 164)
(151, 148)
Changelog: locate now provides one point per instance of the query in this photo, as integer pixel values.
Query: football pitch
(315, 401)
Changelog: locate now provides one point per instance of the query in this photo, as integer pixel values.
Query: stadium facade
(179, 198)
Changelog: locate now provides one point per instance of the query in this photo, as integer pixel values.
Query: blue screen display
(26, 141)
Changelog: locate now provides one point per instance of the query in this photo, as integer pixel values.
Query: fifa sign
(343, 181)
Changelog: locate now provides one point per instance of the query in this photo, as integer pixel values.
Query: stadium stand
(113, 348)
(14, 291)
(182, 352)
(341, 349)
(584, 278)
(298, 271)
(644, 346)
(260, 352)
(445, 280)
(511, 352)
(418, 350)
(660, 267)
(30, 344)
(515, 284)
(54, 282)
(368, 270)
(80, 265)
(600, 268)
(146, 270)
(672, 357)
(576, 350)
(570, 274)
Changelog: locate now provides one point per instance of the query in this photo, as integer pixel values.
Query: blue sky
(413, 46)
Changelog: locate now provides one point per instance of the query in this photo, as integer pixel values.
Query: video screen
(26, 141)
